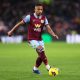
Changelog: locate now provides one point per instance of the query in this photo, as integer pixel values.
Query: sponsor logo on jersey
(37, 28)
(37, 25)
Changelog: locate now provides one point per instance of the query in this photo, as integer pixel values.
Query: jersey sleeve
(46, 21)
(26, 19)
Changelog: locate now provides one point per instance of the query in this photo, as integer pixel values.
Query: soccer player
(36, 23)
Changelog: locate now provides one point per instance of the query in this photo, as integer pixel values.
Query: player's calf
(38, 62)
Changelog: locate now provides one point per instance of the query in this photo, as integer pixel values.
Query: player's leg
(39, 46)
(34, 44)
(38, 60)
(41, 53)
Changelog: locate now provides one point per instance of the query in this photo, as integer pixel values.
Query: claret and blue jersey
(36, 24)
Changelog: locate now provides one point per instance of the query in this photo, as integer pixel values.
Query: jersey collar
(37, 16)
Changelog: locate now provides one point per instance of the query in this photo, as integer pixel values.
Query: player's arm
(15, 27)
(49, 29)
(25, 20)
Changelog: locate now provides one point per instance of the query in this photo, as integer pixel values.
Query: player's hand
(9, 33)
(56, 36)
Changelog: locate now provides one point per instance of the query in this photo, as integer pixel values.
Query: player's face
(38, 10)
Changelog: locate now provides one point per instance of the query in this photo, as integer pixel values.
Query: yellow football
(53, 71)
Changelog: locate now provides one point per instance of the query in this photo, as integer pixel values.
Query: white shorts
(35, 43)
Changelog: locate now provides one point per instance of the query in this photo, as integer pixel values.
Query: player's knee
(40, 49)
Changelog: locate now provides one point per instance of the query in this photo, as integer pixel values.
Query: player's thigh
(41, 43)
(40, 48)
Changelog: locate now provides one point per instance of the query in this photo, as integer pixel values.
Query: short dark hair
(38, 4)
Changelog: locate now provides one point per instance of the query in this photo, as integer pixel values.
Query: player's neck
(37, 16)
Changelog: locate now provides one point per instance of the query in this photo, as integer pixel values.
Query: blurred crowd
(63, 15)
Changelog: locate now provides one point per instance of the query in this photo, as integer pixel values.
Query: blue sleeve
(46, 21)
(26, 19)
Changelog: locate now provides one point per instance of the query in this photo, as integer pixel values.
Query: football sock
(35, 68)
(38, 62)
(43, 57)
(48, 67)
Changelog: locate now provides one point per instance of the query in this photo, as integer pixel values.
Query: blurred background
(63, 16)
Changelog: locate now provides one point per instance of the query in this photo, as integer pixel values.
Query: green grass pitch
(17, 61)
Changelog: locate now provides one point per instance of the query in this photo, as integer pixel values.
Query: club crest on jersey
(42, 21)
(37, 25)
(34, 20)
